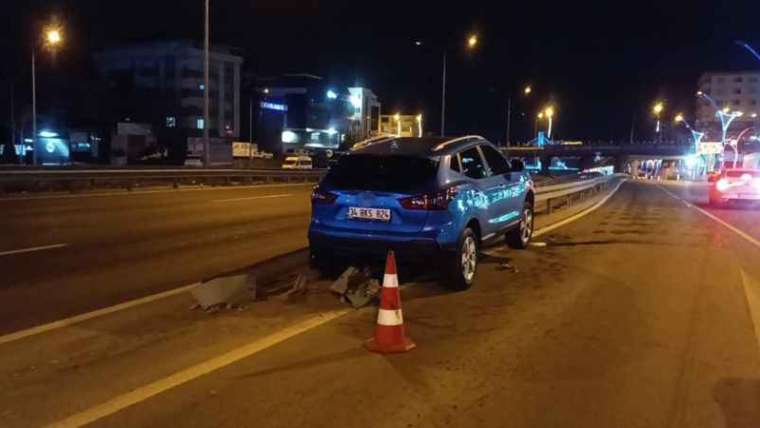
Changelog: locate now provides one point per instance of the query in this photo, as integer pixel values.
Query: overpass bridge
(620, 154)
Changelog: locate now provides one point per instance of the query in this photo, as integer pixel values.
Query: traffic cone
(390, 336)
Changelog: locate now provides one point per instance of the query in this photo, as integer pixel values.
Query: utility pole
(34, 109)
(443, 98)
(206, 90)
(509, 119)
(13, 118)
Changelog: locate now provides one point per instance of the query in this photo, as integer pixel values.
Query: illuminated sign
(274, 106)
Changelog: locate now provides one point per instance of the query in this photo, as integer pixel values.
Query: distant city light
(266, 90)
(331, 94)
(418, 43)
(47, 134)
(678, 118)
(355, 101)
(332, 131)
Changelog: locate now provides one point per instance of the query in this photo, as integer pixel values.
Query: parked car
(297, 162)
(734, 185)
(432, 199)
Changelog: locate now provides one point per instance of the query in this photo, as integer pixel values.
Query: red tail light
(319, 196)
(438, 201)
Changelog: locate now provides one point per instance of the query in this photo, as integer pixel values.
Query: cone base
(406, 345)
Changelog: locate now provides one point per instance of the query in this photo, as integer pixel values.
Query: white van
(297, 162)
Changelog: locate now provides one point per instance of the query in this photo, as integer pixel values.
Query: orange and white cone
(390, 336)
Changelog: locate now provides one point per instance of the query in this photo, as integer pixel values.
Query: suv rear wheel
(463, 265)
(520, 236)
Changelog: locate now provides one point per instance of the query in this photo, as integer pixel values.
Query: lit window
(199, 123)
(171, 122)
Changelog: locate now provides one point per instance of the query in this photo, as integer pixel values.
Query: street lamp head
(527, 90)
(678, 118)
(726, 110)
(549, 112)
(397, 117)
(541, 115)
(53, 37)
(418, 43)
(472, 41)
(658, 108)
(419, 118)
(700, 93)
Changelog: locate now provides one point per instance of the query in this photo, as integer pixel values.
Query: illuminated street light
(472, 41)
(52, 37)
(331, 94)
(678, 118)
(549, 113)
(657, 109)
(527, 90)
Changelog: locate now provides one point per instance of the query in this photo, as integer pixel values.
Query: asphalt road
(125, 246)
(644, 313)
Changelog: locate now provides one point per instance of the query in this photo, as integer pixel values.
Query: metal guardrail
(565, 194)
(74, 180)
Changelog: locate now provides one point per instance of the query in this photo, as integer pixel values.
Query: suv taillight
(319, 196)
(438, 201)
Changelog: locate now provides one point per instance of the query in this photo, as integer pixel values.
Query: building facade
(303, 112)
(162, 83)
(733, 91)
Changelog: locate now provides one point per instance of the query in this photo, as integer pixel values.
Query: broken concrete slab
(227, 290)
(364, 293)
(340, 285)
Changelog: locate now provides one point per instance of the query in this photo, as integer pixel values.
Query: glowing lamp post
(471, 43)
(397, 118)
(52, 39)
(657, 110)
(419, 125)
(549, 113)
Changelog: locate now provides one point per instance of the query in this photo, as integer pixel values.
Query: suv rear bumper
(413, 250)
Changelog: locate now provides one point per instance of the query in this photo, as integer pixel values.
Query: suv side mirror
(517, 165)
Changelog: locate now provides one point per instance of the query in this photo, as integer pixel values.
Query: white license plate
(379, 214)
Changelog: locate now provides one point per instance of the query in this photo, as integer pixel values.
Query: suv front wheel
(463, 264)
(520, 236)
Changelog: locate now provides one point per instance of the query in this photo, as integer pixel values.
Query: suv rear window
(402, 174)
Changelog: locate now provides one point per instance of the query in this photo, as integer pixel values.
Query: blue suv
(432, 199)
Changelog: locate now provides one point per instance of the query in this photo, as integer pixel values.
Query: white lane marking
(157, 387)
(753, 302)
(149, 192)
(89, 315)
(32, 249)
(251, 198)
(538, 244)
(581, 214)
(725, 224)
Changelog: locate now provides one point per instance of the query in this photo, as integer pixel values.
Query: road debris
(508, 267)
(225, 292)
(298, 288)
(356, 287)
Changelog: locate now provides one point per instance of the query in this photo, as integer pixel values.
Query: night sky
(601, 63)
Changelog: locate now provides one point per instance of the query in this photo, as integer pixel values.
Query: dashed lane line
(90, 315)
(252, 198)
(32, 249)
(157, 387)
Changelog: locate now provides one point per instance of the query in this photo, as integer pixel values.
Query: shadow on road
(738, 399)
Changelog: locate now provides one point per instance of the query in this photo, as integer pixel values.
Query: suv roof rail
(370, 141)
(443, 145)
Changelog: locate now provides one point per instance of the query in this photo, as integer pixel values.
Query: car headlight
(722, 185)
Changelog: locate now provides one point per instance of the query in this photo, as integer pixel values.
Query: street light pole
(509, 119)
(443, 97)
(34, 109)
(206, 89)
